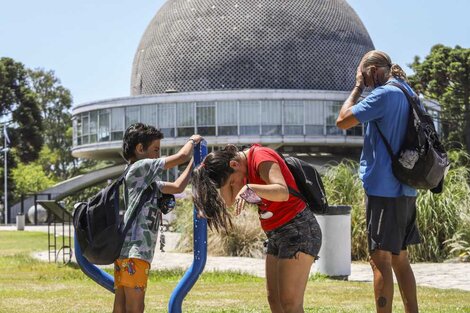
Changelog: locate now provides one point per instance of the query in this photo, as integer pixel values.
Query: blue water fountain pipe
(95, 273)
(200, 248)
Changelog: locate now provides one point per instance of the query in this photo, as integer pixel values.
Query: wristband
(358, 87)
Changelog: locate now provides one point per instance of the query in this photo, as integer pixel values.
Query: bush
(244, 239)
(440, 216)
(443, 219)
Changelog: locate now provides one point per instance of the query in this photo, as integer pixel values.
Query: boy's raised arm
(180, 183)
(184, 154)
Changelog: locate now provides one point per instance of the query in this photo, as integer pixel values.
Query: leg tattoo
(382, 302)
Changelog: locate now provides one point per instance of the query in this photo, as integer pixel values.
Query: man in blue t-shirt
(390, 205)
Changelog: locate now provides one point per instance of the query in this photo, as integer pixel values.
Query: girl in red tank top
(259, 175)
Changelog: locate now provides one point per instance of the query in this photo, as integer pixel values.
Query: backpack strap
(147, 195)
(412, 100)
(387, 144)
(126, 194)
(292, 191)
(413, 107)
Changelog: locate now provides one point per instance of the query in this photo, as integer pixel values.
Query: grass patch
(30, 286)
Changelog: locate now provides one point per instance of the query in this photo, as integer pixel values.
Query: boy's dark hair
(138, 133)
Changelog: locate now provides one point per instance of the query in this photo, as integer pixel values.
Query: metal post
(5, 174)
(200, 248)
(35, 209)
(22, 204)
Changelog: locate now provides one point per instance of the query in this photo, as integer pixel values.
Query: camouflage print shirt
(142, 236)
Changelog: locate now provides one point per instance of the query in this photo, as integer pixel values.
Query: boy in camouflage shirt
(141, 148)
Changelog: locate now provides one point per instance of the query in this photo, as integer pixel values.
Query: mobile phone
(250, 196)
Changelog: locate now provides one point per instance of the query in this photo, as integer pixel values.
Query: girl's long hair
(209, 176)
(381, 59)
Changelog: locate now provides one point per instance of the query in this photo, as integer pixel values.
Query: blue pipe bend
(95, 273)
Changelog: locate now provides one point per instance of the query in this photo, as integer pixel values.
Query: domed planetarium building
(274, 72)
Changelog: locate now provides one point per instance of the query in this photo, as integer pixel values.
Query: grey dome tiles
(202, 45)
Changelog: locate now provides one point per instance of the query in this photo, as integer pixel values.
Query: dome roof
(200, 45)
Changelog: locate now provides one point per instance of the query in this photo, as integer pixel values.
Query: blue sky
(90, 44)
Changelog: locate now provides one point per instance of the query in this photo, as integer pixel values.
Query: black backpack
(422, 160)
(310, 185)
(99, 229)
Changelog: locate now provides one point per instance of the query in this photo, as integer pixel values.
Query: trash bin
(20, 221)
(335, 253)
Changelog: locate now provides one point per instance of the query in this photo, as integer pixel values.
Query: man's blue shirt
(388, 107)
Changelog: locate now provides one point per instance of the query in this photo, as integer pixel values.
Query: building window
(117, 123)
(185, 119)
(103, 125)
(436, 119)
(293, 117)
(166, 115)
(227, 118)
(205, 114)
(85, 128)
(78, 128)
(132, 115)
(249, 118)
(332, 109)
(93, 126)
(314, 118)
(271, 118)
(149, 114)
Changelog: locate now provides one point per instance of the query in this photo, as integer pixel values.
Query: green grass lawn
(31, 286)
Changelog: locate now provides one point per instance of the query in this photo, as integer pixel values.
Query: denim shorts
(301, 234)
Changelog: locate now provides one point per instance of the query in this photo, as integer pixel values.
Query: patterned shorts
(301, 234)
(132, 273)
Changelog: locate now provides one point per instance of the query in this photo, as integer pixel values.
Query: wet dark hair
(206, 179)
(138, 133)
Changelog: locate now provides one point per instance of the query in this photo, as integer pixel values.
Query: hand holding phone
(247, 196)
(250, 196)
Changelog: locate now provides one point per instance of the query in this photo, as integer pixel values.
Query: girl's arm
(275, 189)
(180, 183)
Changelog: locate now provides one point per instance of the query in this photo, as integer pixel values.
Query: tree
(41, 129)
(20, 102)
(55, 102)
(30, 178)
(444, 75)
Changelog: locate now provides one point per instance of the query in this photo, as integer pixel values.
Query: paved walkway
(437, 275)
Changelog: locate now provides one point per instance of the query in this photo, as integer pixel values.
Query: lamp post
(5, 174)
(6, 142)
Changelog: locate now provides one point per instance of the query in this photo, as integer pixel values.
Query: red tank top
(273, 214)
